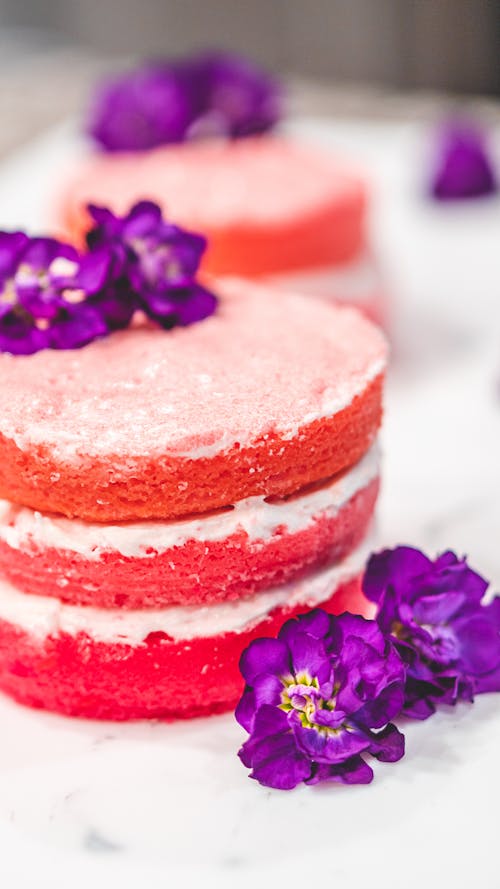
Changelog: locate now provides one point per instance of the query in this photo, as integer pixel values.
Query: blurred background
(51, 50)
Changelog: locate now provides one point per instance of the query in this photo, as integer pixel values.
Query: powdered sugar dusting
(265, 362)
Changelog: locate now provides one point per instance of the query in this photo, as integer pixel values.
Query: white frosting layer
(21, 528)
(42, 616)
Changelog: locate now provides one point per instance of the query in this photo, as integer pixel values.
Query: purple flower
(463, 168)
(12, 247)
(230, 96)
(318, 697)
(139, 110)
(102, 276)
(159, 260)
(51, 296)
(42, 302)
(162, 102)
(433, 612)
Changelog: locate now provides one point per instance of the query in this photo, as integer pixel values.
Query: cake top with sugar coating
(265, 362)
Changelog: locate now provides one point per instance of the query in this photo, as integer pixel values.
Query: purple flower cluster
(158, 261)
(463, 167)
(433, 614)
(316, 698)
(53, 297)
(324, 693)
(44, 301)
(213, 94)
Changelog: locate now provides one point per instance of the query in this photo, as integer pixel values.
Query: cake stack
(271, 208)
(169, 496)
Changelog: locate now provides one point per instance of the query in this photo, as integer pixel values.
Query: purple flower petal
(269, 656)
(307, 653)
(139, 110)
(329, 718)
(270, 721)
(437, 608)
(352, 771)
(316, 623)
(450, 573)
(463, 167)
(19, 337)
(36, 301)
(388, 745)
(116, 305)
(194, 306)
(418, 707)
(237, 98)
(275, 761)
(107, 228)
(78, 325)
(387, 705)
(488, 682)
(271, 752)
(207, 95)
(330, 747)
(39, 253)
(95, 269)
(362, 660)
(246, 710)
(403, 563)
(478, 640)
(144, 217)
(267, 689)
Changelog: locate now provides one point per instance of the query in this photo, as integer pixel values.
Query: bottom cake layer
(119, 674)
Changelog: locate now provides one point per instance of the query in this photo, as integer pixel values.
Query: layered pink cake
(268, 205)
(238, 550)
(170, 496)
(172, 663)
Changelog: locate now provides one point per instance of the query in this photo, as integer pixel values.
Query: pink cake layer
(265, 204)
(158, 678)
(270, 394)
(205, 560)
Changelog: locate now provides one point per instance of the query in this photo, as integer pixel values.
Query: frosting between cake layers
(21, 527)
(42, 616)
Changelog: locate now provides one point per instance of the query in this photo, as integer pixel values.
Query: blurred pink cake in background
(269, 205)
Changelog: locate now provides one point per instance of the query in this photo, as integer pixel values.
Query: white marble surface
(161, 805)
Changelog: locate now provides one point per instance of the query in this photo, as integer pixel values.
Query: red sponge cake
(253, 545)
(169, 496)
(103, 665)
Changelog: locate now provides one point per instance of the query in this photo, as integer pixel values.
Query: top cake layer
(266, 204)
(269, 394)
